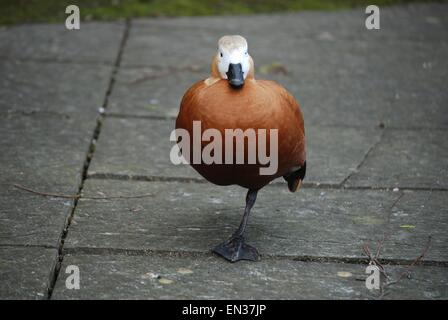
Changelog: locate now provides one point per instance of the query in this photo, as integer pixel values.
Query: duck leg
(235, 248)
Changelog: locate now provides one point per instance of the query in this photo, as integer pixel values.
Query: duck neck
(251, 74)
(214, 69)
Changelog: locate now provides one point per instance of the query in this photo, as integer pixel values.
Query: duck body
(232, 100)
(259, 104)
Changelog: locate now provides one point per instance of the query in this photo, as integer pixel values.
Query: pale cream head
(232, 50)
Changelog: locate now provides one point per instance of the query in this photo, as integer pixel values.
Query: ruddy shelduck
(231, 98)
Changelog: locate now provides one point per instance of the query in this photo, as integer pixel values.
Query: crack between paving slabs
(91, 149)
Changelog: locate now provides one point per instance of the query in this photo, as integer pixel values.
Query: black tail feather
(295, 178)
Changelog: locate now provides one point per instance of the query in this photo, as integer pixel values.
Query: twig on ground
(412, 265)
(375, 261)
(77, 196)
(380, 246)
(46, 194)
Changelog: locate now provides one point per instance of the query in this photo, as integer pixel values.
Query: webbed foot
(236, 249)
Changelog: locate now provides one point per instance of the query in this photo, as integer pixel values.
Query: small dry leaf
(165, 281)
(184, 271)
(368, 220)
(151, 107)
(344, 274)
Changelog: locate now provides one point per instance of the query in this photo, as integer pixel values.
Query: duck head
(232, 61)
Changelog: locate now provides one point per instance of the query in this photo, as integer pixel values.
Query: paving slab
(185, 277)
(414, 218)
(29, 219)
(47, 118)
(62, 88)
(46, 153)
(367, 87)
(45, 150)
(93, 42)
(25, 272)
(407, 111)
(194, 217)
(137, 147)
(130, 146)
(151, 91)
(407, 159)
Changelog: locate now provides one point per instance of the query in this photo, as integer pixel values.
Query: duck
(232, 99)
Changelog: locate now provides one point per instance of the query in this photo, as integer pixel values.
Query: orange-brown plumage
(259, 104)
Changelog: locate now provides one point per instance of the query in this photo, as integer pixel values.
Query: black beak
(235, 75)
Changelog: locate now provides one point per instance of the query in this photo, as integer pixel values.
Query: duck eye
(220, 54)
(245, 53)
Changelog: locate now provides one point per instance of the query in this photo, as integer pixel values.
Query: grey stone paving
(70, 90)
(48, 109)
(24, 272)
(405, 158)
(45, 152)
(184, 277)
(375, 107)
(97, 42)
(195, 217)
